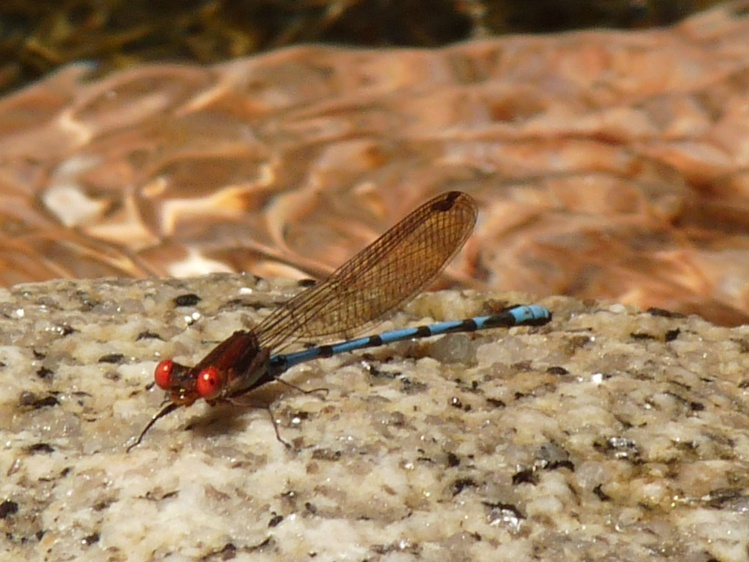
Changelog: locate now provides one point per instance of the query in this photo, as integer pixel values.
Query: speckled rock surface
(609, 434)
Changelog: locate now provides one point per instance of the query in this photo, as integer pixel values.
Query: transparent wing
(386, 273)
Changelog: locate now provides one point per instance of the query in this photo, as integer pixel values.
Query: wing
(386, 273)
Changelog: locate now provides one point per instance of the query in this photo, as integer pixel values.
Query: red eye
(163, 373)
(209, 383)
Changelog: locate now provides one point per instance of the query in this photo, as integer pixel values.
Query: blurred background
(606, 141)
(37, 37)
